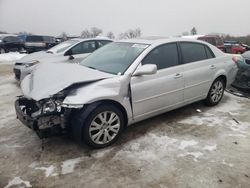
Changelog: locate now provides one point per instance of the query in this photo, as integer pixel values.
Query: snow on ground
(195, 146)
(11, 57)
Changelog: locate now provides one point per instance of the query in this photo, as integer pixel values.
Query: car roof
(160, 40)
(86, 39)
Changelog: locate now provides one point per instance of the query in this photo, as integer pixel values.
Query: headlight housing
(52, 106)
(31, 63)
(49, 106)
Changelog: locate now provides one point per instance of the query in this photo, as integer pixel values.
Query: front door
(153, 94)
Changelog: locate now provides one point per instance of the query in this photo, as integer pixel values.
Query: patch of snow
(147, 149)
(101, 153)
(237, 135)
(196, 155)
(231, 105)
(210, 147)
(69, 165)
(48, 170)
(33, 165)
(193, 120)
(228, 164)
(11, 56)
(198, 110)
(188, 143)
(18, 181)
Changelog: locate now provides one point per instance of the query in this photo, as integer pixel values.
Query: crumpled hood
(48, 79)
(36, 56)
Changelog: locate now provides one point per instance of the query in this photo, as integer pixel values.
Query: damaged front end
(46, 117)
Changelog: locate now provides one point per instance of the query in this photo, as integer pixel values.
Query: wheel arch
(224, 78)
(119, 106)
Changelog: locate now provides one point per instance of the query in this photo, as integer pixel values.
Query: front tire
(216, 92)
(103, 126)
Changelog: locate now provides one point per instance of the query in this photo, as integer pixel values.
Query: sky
(154, 17)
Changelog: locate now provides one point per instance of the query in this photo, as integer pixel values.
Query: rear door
(153, 94)
(199, 67)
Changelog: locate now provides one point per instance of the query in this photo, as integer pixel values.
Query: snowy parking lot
(195, 146)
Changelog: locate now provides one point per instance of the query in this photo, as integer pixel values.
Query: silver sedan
(120, 84)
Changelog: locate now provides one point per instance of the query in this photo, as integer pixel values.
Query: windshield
(62, 46)
(115, 57)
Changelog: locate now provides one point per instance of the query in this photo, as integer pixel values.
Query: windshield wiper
(91, 67)
(50, 52)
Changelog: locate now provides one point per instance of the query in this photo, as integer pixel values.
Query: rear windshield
(34, 39)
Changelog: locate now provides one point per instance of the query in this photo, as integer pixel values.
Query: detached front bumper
(44, 125)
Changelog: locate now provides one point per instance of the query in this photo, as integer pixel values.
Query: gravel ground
(194, 146)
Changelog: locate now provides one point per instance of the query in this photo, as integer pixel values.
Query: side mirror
(68, 53)
(147, 69)
(71, 57)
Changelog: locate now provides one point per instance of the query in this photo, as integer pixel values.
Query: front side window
(114, 58)
(192, 52)
(84, 47)
(163, 57)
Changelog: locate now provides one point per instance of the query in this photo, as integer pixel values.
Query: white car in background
(70, 51)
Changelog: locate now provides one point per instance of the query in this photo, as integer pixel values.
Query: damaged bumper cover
(44, 123)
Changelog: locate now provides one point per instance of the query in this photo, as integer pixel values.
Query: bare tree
(92, 33)
(86, 34)
(131, 33)
(193, 31)
(64, 36)
(110, 35)
(95, 31)
(3, 32)
(185, 33)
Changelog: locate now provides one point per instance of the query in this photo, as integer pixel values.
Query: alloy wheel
(217, 91)
(104, 127)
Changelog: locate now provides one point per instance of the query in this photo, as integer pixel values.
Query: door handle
(212, 67)
(178, 75)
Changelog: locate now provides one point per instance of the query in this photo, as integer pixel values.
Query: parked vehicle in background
(234, 47)
(242, 80)
(34, 43)
(120, 84)
(247, 47)
(214, 40)
(211, 39)
(10, 43)
(70, 51)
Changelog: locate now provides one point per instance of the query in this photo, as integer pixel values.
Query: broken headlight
(49, 106)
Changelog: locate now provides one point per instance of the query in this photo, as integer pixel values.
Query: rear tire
(215, 93)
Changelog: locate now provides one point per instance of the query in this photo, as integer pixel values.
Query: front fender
(113, 89)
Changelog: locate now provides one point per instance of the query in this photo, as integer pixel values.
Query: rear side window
(209, 53)
(49, 39)
(102, 43)
(163, 56)
(34, 39)
(192, 52)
